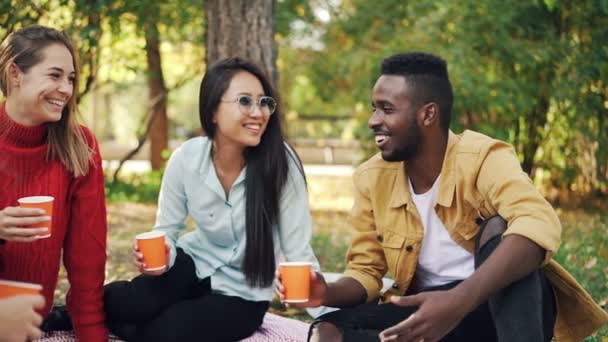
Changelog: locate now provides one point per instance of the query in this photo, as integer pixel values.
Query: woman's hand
(139, 261)
(14, 222)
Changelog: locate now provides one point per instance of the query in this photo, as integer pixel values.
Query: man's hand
(438, 313)
(318, 290)
(18, 319)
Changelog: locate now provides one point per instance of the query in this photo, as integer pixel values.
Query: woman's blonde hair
(66, 139)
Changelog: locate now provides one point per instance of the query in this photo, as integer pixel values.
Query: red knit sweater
(79, 225)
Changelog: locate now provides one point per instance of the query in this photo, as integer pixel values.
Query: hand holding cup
(19, 320)
(20, 224)
(151, 253)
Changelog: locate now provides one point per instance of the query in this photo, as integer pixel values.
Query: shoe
(57, 320)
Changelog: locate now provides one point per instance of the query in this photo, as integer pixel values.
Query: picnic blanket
(274, 329)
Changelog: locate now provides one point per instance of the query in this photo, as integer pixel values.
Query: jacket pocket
(468, 230)
(468, 227)
(393, 247)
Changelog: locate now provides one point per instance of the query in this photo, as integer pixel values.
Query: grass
(584, 251)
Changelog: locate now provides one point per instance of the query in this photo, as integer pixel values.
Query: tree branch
(150, 115)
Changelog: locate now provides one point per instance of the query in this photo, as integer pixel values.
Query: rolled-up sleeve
(365, 258)
(509, 189)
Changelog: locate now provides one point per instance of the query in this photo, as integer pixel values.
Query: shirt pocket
(468, 227)
(393, 247)
(214, 224)
(203, 214)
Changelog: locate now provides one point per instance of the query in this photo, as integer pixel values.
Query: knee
(118, 304)
(491, 228)
(325, 332)
(111, 298)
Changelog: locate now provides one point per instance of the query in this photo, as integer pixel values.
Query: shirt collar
(207, 171)
(401, 195)
(448, 183)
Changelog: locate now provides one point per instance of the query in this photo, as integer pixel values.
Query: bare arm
(345, 292)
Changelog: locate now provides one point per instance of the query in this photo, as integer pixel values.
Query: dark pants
(177, 306)
(523, 311)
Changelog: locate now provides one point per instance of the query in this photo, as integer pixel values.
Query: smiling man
(456, 222)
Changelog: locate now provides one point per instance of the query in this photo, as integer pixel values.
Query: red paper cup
(295, 277)
(39, 202)
(152, 246)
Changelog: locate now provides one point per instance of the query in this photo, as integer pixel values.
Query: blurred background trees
(531, 72)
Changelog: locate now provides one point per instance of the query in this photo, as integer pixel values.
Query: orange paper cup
(152, 246)
(15, 288)
(39, 202)
(295, 277)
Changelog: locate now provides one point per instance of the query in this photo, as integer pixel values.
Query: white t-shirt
(441, 259)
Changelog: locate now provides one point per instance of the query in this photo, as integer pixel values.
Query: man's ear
(430, 114)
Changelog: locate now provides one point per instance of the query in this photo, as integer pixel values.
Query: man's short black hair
(428, 76)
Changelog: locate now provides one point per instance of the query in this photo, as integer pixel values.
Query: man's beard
(409, 149)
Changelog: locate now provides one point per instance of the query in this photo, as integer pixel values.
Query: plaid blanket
(274, 329)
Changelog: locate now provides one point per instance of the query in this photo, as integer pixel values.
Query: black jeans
(178, 306)
(523, 311)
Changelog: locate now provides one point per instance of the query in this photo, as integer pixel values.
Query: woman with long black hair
(245, 189)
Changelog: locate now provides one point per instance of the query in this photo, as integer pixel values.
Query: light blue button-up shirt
(191, 187)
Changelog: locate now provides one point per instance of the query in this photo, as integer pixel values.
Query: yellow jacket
(480, 177)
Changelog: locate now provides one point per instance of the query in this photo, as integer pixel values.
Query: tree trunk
(535, 125)
(601, 154)
(159, 139)
(243, 28)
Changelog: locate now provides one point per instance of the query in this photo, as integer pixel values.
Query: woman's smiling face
(40, 94)
(234, 124)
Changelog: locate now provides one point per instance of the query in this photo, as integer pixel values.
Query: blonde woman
(45, 152)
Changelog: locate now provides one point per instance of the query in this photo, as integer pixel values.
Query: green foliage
(139, 188)
(14, 16)
(533, 73)
(290, 11)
